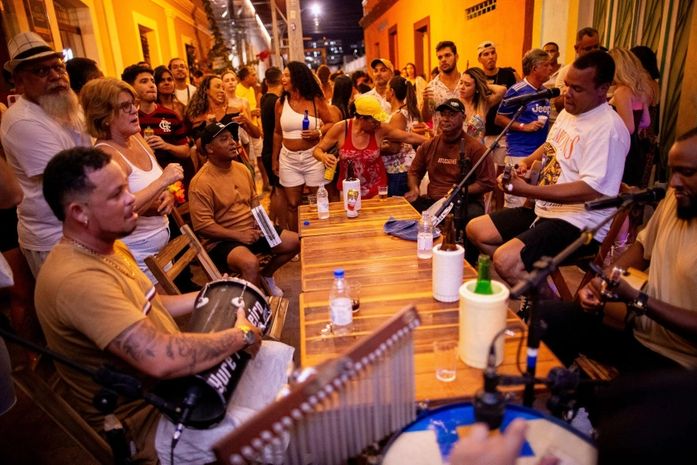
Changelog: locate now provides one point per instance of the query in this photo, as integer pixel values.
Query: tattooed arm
(162, 355)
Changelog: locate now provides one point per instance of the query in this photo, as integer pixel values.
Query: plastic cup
(355, 287)
(382, 192)
(445, 360)
(542, 119)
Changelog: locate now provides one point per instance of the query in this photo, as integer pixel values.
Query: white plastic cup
(542, 119)
(446, 275)
(482, 317)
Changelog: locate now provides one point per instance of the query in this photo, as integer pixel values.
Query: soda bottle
(306, 121)
(483, 285)
(424, 238)
(340, 311)
(322, 203)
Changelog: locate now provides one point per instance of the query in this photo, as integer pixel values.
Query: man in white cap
(487, 56)
(383, 70)
(45, 120)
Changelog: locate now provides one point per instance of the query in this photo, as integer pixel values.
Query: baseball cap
(368, 105)
(388, 64)
(452, 104)
(485, 45)
(27, 46)
(212, 131)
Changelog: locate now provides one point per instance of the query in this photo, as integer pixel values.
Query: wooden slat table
(439, 321)
(372, 216)
(391, 277)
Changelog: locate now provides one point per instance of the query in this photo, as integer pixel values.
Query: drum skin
(429, 439)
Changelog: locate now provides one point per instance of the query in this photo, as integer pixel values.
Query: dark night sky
(338, 20)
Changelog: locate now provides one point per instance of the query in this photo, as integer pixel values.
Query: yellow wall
(110, 30)
(504, 25)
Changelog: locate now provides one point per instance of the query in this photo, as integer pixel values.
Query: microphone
(190, 401)
(648, 195)
(490, 403)
(527, 98)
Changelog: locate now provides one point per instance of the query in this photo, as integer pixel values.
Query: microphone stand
(114, 384)
(529, 286)
(462, 197)
(456, 191)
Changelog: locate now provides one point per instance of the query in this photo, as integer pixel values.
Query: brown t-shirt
(84, 302)
(222, 196)
(440, 159)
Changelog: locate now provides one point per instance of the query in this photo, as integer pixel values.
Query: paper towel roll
(481, 318)
(447, 273)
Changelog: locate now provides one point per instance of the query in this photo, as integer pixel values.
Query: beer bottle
(448, 230)
(483, 285)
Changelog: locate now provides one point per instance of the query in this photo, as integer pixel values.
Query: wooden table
(391, 278)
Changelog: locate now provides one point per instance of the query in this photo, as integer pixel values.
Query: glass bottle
(483, 285)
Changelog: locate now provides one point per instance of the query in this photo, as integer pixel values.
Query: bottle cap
(339, 273)
(306, 223)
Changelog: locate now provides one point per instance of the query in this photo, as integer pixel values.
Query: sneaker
(271, 286)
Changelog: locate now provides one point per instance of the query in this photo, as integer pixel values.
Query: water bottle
(424, 240)
(340, 311)
(322, 203)
(306, 121)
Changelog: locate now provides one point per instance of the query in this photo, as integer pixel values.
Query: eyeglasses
(128, 107)
(44, 71)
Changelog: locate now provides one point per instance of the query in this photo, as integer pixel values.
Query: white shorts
(298, 168)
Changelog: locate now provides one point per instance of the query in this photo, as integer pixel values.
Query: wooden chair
(182, 214)
(46, 393)
(618, 225)
(177, 255)
(181, 251)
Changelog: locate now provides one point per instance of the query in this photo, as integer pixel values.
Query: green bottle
(483, 285)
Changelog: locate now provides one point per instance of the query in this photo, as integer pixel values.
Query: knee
(247, 265)
(474, 230)
(505, 261)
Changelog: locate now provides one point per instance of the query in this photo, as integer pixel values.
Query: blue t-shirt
(522, 144)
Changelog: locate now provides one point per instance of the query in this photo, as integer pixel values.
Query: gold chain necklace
(127, 269)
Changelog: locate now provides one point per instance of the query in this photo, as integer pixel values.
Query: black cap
(212, 131)
(452, 104)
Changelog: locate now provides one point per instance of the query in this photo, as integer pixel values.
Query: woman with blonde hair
(634, 92)
(478, 96)
(111, 115)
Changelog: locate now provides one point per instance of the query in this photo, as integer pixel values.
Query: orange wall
(504, 26)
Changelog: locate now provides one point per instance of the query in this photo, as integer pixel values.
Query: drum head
(216, 306)
(430, 438)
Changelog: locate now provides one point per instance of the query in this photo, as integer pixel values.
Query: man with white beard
(45, 120)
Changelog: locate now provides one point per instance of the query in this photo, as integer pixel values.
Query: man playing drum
(96, 307)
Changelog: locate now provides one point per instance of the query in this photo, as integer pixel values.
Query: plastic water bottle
(424, 239)
(322, 203)
(340, 312)
(306, 121)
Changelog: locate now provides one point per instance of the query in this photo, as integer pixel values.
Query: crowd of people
(98, 161)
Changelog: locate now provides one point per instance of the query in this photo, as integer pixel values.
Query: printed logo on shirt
(562, 141)
(166, 126)
(550, 166)
(447, 161)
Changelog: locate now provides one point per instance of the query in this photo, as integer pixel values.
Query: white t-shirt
(30, 139)
(590, 147)
(184, 95)
(386, 107)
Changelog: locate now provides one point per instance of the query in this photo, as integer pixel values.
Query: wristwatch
(249, 336)
(640, 305)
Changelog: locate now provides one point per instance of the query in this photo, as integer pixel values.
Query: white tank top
(292, 122)
(147, 226)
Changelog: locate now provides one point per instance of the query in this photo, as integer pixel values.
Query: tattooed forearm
(170, 355)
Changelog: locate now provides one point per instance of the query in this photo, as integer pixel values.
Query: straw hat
(28, 46)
